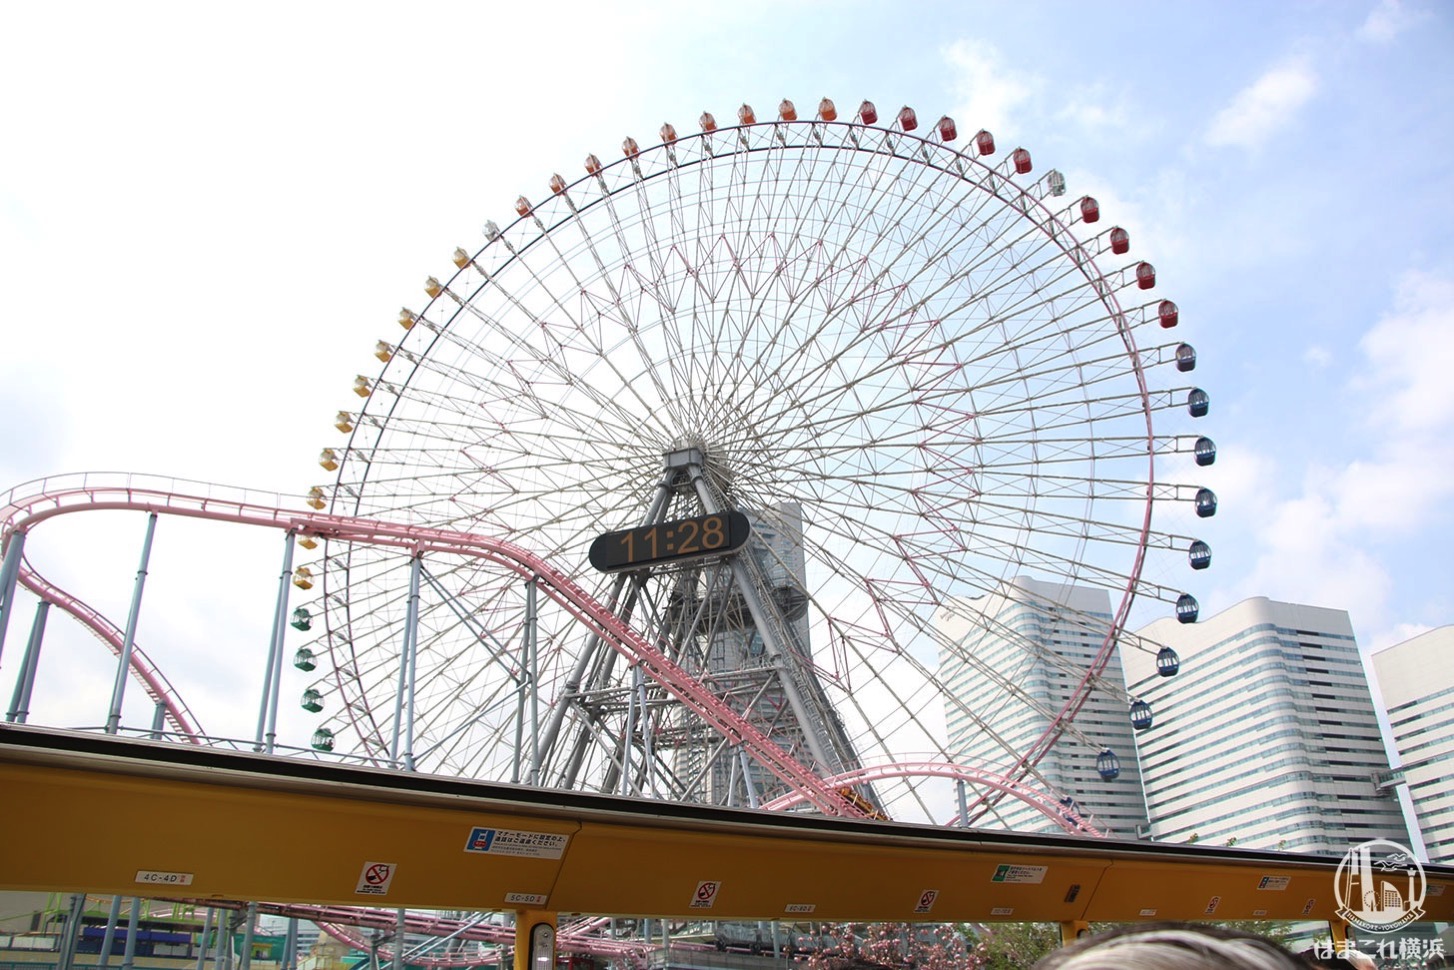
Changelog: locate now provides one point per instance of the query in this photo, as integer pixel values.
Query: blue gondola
(1141, 717)
(1200, 554)
(1167, 662)
(1108, 765)
(1205, 451)
(1206, 503)
(1187, 608)
(1186, 357)
(1198, 402)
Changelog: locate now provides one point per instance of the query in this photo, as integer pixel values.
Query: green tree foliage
(1012, 946)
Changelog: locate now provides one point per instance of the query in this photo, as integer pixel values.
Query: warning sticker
(706, 894)
(800, 907)
(530, 845)
(1003, 911)
(1212, 905)
(1025, 874)
(926, 900)
(375, 878)
(1308, 906)
(1275, 883)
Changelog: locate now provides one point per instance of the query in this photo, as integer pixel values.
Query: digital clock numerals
(704, 535)
(677, 539)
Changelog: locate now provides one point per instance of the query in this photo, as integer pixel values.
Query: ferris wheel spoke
(903, 364)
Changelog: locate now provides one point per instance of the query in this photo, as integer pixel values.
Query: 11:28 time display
(704, 535)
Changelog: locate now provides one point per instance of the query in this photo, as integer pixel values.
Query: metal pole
(203, 941)
(20, 701)
(109, 939)
(290, 945)
(406, 648)
(267, 715)
(9, 572)
(963, 803)
(123, 665)
(752, 799)
(413, 657)
(399, 939)
(245, 961)
(629, 730)
(647, 760)
(67, 956)
(533, 651)
(128, 958)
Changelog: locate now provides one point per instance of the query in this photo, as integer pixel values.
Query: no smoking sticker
(926, 900)
(375, 878)
(706, 894)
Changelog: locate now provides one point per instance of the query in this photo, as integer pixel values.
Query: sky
(209, 213)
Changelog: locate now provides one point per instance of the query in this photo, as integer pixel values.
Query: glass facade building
(1416, 679)
(1267, 737)
(1040, 637)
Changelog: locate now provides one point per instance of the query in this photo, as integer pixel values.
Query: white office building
(1416, 679)
(1267, 736)
(1039, 638)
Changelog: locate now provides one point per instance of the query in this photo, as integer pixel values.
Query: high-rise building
(1040, 637)
(1267, 737)
(1416, 679)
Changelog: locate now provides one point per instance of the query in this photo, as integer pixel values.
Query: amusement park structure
(686, 481)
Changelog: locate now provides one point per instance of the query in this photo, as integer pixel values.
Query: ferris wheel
(806, 402)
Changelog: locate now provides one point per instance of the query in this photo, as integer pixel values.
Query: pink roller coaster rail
(23, 513)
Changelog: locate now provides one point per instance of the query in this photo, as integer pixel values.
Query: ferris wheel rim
(1088, 266)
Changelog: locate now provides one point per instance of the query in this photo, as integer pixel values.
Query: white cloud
(1262, 108)
(1395, 634)
(1318, 356)
(1331, 543)
(987, 92)
(1386, 21)
(1411, 357)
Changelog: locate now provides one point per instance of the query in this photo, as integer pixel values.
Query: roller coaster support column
(963, 803)
(244, 961)
(532, 656)
(133, 926)
(534, 940)
(1338, 929)
(1072, 930)
(108, 939)
(202, 941)
(20, 701)
(66, 958)
(123, 663)
(9, 572)
(404, 698)
(267, 715)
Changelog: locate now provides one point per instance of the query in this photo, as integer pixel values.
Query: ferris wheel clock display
(886, 371)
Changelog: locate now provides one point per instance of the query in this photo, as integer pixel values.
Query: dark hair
(1172, 946)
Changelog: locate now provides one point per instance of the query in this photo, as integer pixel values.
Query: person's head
(1171, 946)
(1345, 959)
